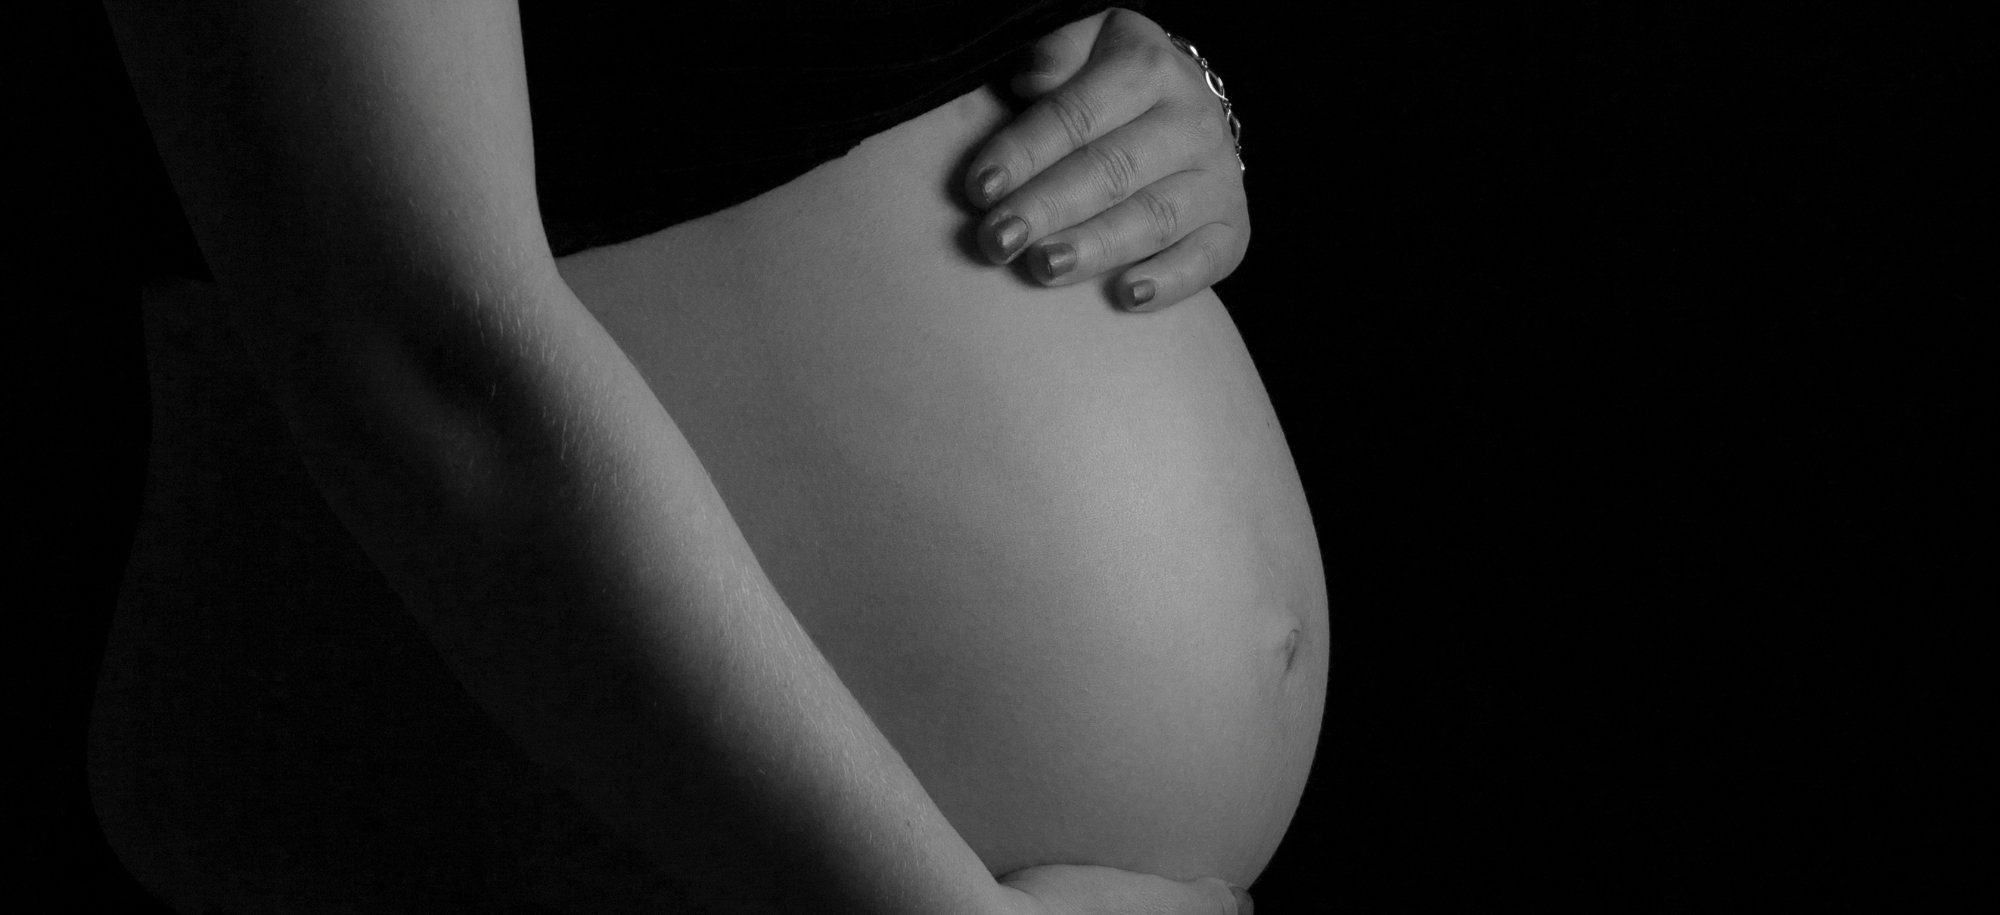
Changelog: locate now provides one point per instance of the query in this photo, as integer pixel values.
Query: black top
(650, 114)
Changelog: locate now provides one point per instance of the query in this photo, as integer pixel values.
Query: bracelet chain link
(1215, 86)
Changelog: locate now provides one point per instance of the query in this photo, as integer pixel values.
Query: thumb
(1056, 57)
(1082, 889)
(1238, 899)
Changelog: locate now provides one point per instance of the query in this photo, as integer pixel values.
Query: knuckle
(1043, 214)
(1116, 168)
(1202, 118)
(1075, 115)
(1201, 126)
(1120, 38)
(1158, 59)
(1160, 75)
(1163, 214)
(1214, 260)
(1097, 242)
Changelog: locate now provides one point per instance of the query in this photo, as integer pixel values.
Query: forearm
(557, 538)
(360, 178)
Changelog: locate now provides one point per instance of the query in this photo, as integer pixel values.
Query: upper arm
(338, 146)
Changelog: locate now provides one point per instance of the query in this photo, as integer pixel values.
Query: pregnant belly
(1058, 552)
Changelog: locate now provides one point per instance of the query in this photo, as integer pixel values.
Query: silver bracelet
(1215, 86)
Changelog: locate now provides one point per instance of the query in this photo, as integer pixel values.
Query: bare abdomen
(1060, 553)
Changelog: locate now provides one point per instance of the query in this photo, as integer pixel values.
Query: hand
(1124, 156)
(1073, 889)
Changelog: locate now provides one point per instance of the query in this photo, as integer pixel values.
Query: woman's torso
(1059, 553)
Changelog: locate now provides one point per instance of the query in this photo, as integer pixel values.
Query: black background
(1627, 356)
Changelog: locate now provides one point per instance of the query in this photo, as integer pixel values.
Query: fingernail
(992, 180)
(1142, 292)
(1057, 258)
(1010, 235)
(1243, 904)
(1040, 61)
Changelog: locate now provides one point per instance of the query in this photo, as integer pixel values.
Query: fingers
(1122, 78)
(1124, 156)
(1092, 181)
(1192, 219)
(1155, 216)
(1238, 903)
(1057, 56)
(1190, 265)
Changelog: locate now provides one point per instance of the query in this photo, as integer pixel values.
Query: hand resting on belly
(1059, 552)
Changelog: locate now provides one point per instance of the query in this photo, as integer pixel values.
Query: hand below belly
(1058, 552)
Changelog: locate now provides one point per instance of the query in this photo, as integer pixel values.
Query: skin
(1123, 164)
(394, 222)
(1004, 511)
